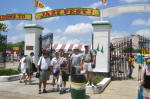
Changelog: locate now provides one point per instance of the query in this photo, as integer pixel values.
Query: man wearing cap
(87, 62)
(76, 60)
(55, 64)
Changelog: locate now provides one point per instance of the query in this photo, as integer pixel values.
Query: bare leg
(44, 84)
(90, 76)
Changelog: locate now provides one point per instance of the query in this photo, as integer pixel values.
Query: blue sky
(62, 26)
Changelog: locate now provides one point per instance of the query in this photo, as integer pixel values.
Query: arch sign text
(52, 13)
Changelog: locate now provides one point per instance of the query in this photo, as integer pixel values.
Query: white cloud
(141, 22)
(82, 28)
(14, 10)
(95, 5)
(58, 31)
(144, 32)
(93, 17)
(16, 38)
(43, 9)
(8, 23)
(20, 26)
(65, 40)
(50, 19)
(131, 1)
(46, 31)
(118, 34)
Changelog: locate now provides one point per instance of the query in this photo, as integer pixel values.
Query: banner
(16, 17)
(145, 51)
(69, 11)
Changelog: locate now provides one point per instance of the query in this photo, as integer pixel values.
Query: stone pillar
(101, 32)
(32, 34)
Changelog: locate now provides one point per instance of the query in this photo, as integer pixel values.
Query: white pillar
(101, 32)
(32, 34)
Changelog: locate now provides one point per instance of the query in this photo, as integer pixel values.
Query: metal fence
(3, 45)
(119, 54)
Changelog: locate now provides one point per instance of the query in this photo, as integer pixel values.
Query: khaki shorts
(44, 75)
(29, 71)
(87, 66)
(146, 92)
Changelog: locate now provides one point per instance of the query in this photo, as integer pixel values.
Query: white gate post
(32, 34)
(101, 37)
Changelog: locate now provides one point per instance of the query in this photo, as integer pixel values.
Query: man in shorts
(29, 67)
(55, 64)
(87, 63)
(43, 69)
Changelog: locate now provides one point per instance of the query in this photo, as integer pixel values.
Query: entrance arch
(113, 11)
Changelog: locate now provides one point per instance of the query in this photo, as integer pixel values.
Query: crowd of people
(59, 67)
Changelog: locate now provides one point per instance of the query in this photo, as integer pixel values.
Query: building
(137, 41)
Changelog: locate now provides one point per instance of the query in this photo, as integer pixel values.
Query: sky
(74, 29)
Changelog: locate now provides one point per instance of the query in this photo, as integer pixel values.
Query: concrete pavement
(121, 89)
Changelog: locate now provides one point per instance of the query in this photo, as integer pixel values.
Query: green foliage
(3, 27)
(97, 79)
(19, 44)
(8, 72)
(129, 50)
(3, 40)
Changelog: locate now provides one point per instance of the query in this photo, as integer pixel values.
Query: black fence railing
(119, 54)
(3, 46)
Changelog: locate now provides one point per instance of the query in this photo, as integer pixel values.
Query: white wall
(32, 34)
(101, 31)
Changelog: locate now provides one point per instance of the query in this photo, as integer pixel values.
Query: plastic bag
(59, 80)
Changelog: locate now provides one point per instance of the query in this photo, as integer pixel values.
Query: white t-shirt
(55, 63)
(45, 63)
(23, 65)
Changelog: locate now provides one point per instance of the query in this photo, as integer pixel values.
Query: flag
(98, 48)
(102, 50)
(104, 2)
(41, 5)
(36, 3)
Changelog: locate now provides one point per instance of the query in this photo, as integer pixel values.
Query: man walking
(43, 69)
(29, 67)
(87, 63)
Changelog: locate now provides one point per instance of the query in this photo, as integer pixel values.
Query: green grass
(97, 79)
(8, 72)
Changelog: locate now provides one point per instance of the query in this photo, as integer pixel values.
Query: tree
(3, 38)
(3, 27)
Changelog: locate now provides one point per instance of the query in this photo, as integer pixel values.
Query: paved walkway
(124, 89)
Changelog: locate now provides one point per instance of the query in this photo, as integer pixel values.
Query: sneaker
(44, 91)
(39, 91)
(91, 84)
(53, 90)
(25, 82)
(61, 91)
(88, 83)
(64, 91)
(57, 89)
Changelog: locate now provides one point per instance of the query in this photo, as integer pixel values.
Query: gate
(3, 45)
(46, 43)
(119, 54)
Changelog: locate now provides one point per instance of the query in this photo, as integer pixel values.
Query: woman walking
(145, 81)
(23, 68)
